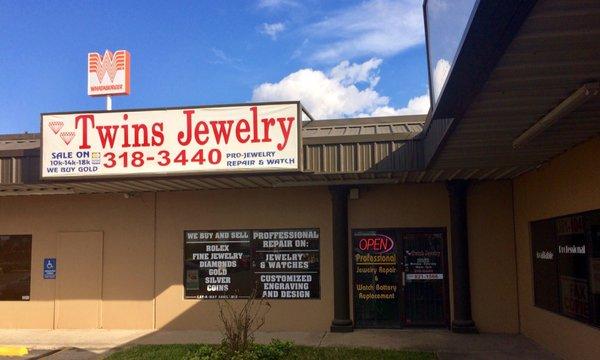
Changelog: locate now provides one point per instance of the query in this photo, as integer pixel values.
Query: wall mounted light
(571, 103)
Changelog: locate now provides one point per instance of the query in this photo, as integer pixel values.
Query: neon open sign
(376, 243)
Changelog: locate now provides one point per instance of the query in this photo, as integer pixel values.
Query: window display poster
(271, 263)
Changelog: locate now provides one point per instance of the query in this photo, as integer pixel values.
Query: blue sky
(341, 58)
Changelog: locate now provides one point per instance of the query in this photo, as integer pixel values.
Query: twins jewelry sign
(216, 139)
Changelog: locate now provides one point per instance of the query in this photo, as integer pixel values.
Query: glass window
(544, 265)
(267, 263)
(566, 265)
(15, 267)
(447, 21)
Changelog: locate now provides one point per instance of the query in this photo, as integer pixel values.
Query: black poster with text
(287, 263)
(230, 264)
(218, 264)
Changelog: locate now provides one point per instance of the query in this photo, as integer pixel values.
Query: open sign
(376, 243)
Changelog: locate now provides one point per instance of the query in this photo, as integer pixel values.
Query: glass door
(377, 279)
(424, 278)
(399, 278)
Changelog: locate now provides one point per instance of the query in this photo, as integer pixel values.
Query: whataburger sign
(216, 139)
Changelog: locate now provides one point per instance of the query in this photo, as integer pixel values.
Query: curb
(13, 351)
(47, 353)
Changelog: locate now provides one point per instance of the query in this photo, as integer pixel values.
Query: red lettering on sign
(222, 131)
(158, 138)
(140, 131)
(377, 243)
(242, 127)
(267, 124)
(255, 124)
(181, 136)
(84, 119)
(285, 131)
(107, 134)
(147, 134)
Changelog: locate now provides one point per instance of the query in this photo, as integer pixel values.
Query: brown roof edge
(20, 153)
(377, 120)
(22, 136)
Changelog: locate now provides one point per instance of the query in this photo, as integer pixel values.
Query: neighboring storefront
(483, 215)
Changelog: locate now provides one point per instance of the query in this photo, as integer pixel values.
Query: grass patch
(274, 351)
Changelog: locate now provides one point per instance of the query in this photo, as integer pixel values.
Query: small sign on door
(50, 268)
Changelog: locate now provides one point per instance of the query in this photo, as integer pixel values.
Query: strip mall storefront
(482, 216)
(162, 259)
(375, 255)
(135, 262)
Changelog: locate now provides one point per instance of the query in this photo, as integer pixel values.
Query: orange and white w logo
(109, 63)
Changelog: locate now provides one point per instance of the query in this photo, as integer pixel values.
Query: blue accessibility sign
(50, 268)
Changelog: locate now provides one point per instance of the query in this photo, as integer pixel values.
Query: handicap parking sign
(50, 268)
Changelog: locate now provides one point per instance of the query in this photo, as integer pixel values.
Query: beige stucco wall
(128, 254)
(492, 257)
(239, 209)
(142, 260)
(568, 184)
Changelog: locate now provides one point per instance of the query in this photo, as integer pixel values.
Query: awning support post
(462, 321)
(341, 298)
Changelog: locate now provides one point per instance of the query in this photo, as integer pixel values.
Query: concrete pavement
(93, 344)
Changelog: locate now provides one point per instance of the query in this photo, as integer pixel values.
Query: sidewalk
(91, 344)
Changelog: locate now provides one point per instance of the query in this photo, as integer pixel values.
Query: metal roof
(238, 182)
(555, 52)
(362, 150)
(19, 142)
(363, 129)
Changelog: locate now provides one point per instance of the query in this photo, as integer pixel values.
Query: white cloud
(335, 94)
(376, 27)
(416, 105)
(272, 29)
(348, 74)
(220, 57)
(276, 3)
(440, 73)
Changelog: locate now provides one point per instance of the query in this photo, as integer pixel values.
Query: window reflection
(446, 24)
(566, 265)
(15, 267)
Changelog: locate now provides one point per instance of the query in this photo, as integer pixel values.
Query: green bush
(276, 350)
(205, 352)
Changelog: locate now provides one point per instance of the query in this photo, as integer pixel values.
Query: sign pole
(108, 103)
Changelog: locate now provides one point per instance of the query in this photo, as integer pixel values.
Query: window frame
(589, 256)
(28, 264)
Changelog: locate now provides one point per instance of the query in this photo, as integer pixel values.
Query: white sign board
(109, 73)
(218, 139)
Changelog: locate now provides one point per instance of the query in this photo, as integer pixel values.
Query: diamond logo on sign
(56, 126)
(50, 268)
(67, 136)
